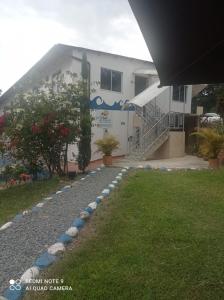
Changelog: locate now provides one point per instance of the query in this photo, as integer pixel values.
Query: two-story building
(125, 100)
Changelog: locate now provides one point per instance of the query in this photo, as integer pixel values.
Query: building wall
(111, 117)
(165, 101)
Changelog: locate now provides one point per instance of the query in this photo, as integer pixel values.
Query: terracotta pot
(213, 163)
(221, 157)
(107, 160)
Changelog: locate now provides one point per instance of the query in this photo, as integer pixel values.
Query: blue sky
(29, 28)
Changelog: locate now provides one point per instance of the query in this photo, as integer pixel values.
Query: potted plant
(211, 142)
(107, 145)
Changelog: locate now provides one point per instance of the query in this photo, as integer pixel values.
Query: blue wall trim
(99, 103)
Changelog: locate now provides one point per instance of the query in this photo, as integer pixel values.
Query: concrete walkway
(187, 161)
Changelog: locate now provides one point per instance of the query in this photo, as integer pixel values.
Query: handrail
(167, 114)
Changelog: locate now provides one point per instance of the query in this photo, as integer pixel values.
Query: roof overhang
(185, 39)
(146, 72)
(148, 94)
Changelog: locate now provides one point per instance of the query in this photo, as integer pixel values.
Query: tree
(211, 98)
(84, 144)
(40, 124)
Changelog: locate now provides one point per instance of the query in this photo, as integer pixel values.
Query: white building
(141, 128)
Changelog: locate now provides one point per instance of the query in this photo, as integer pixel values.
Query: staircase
(154, 131)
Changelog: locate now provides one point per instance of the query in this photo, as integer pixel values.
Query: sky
(29, 28)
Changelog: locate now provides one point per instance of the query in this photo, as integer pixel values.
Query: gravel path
(26, 239)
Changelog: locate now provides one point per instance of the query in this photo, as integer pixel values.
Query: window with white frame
(179, 93)
(110, 80)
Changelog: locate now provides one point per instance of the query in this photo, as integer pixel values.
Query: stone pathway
(31, 234)
(185, 162)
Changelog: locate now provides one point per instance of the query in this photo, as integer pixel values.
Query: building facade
(116, 81)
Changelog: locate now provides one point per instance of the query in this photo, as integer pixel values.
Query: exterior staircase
(154, 131)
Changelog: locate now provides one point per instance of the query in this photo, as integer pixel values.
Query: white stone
(83, 178)
(67, 187)
(98, 169)
(123, 171)
(118, 177)
(55, 248)
(140, 167)
(106, 192)
(169, 170)
(115, 182)
(84, 215)
(41, 204)
(127, 168)
(48, 198)
(25, 212)
(29, 274)
(6, 225)
(100, 197)
(58, 192)
(93, 205)
(72, 231)
(93, 172)
(120, 174)
(111, 186)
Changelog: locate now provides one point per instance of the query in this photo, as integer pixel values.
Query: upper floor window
(110, 80)
(180, 93)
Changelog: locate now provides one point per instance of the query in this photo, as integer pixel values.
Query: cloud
(29, 28)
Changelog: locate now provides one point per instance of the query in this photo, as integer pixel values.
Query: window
(179, 93)
(141, 83)
(110, 80)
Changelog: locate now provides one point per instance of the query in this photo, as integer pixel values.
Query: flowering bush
(39, 125)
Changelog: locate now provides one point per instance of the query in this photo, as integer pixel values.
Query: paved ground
(26, 239)
(187, 161)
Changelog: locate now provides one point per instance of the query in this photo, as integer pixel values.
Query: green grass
(15, 199)
(159, 237)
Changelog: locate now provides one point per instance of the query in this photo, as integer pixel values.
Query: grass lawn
(15, 199)
(160, 236)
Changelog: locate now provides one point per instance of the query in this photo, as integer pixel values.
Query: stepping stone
(92, 205)
(67, 187)
(72, 231)
(18, 217)
(55, 248)
(84, 215)
(35, 209)
(115, 182)
(45, 260)
(163, 169)
(58, 192)
(148, 167)
(105, 192)
(79, 223)
(29, 274)
(89, 210)
(6, 225)
(99, 199)
(64, 238)
(16, 294)
(111, 186)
